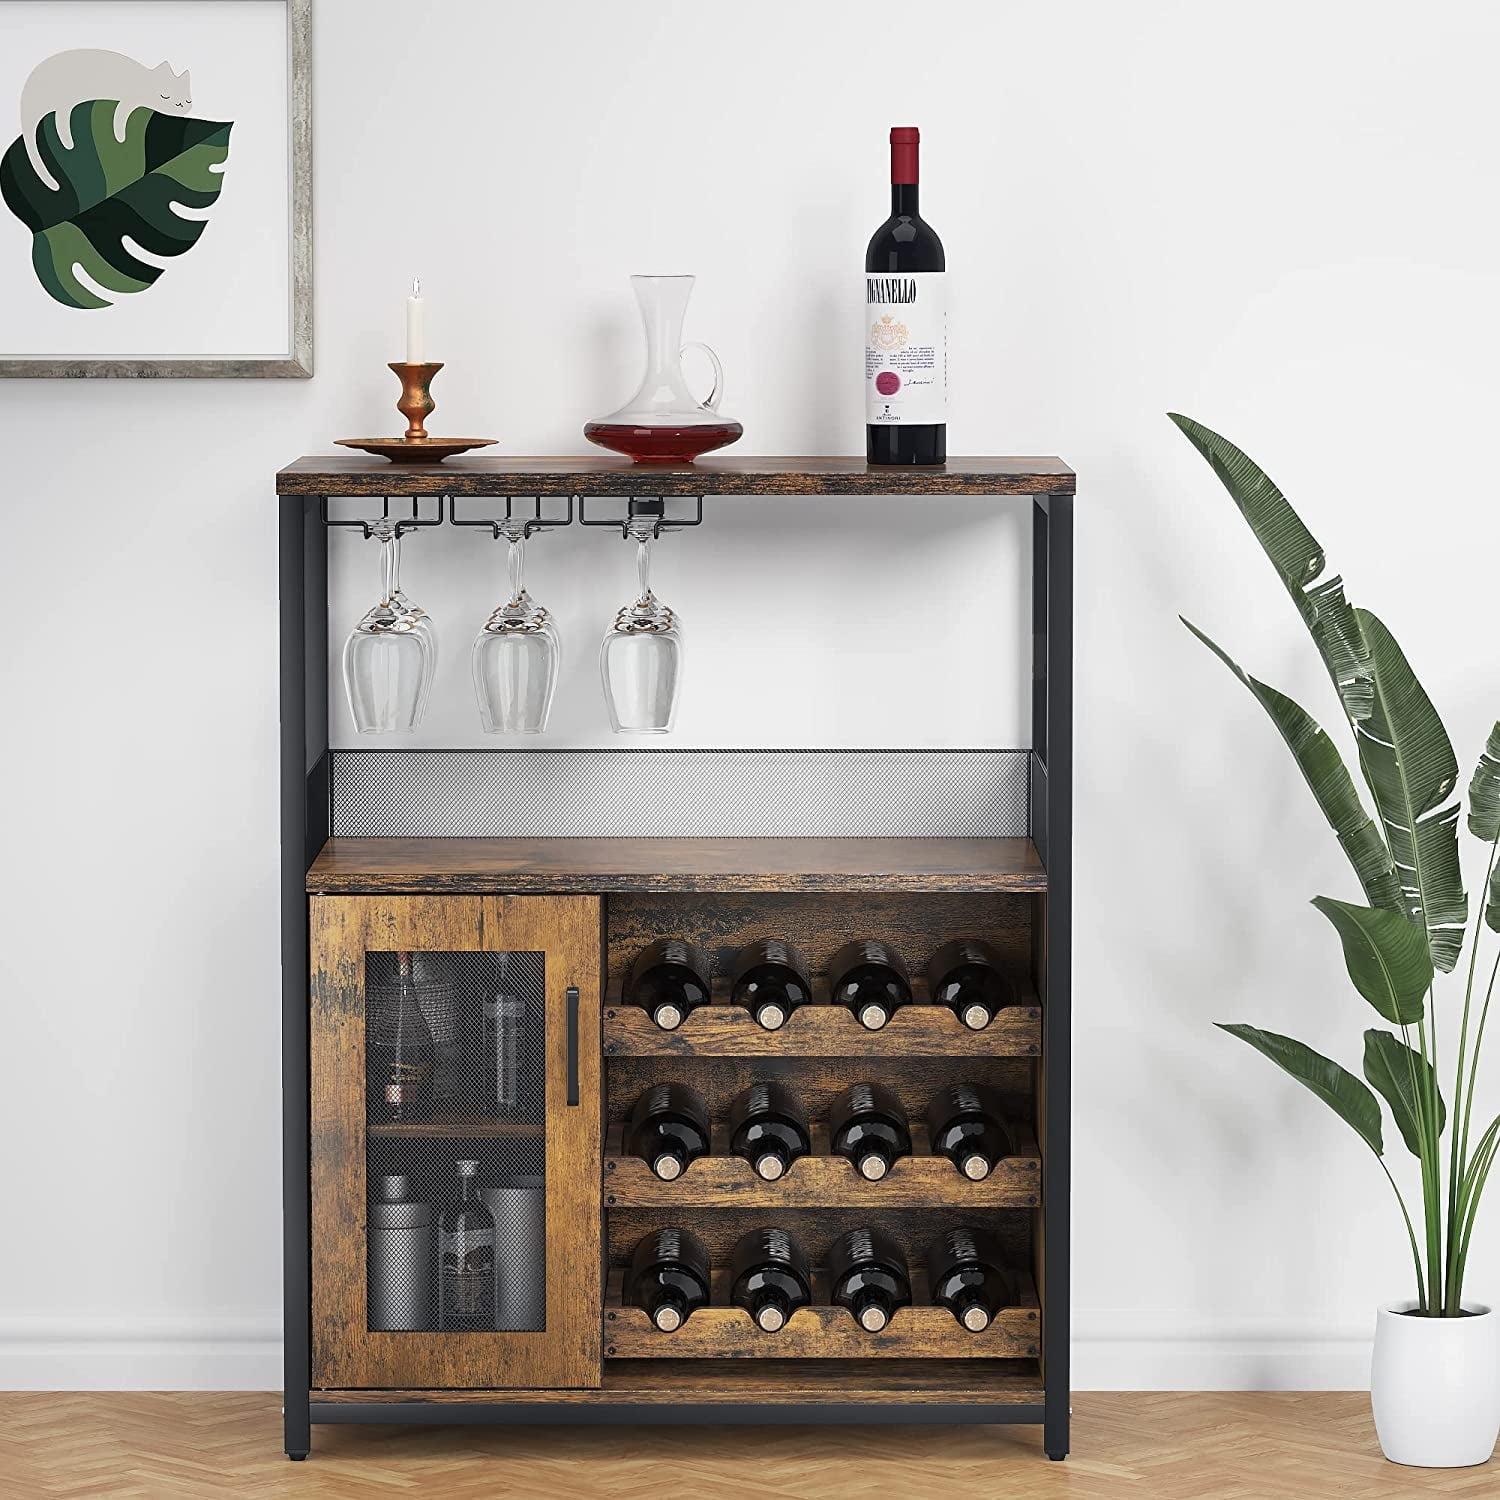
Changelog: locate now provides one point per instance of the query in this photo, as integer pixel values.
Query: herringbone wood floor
(1168, 1447)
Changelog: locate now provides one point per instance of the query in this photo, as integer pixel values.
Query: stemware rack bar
(452, 853)
(637, 508)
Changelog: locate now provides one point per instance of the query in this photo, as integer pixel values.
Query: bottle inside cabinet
(769, 1277)
(770, 980)
(768, 1127)
(867, 1126)
(668, 1277)
(867, 1274)
(466, 1258)
(668, 1129)
(868, 978)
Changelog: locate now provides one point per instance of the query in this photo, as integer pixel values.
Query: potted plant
(1435, 1380)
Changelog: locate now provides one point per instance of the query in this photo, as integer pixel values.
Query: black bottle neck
(904, 200)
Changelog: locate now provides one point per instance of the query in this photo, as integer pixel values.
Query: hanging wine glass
(641, 658)
(390, 657)
(515, 656)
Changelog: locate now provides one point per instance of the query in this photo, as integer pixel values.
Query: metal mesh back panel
(680, 793)
(466, 1083)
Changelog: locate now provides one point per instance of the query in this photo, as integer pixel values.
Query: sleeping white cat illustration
(68, 78)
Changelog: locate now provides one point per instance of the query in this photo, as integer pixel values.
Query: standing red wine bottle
(906, 326)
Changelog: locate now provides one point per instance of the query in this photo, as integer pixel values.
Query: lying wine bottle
(668, 1277)
(769, 1277)
(871, 980)
(668, 1129)
(668, 979)
(769, 1129)
(967, 1276)
(770, 981)
(868, 1274)
(868, 1126)
(969, 977)
(965, 1125)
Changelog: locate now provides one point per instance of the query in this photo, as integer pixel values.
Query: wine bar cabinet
(565, 1138)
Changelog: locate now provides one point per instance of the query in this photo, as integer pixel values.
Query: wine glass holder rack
(732, 845)
(639, 510)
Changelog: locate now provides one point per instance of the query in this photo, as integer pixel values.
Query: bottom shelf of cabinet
(821, 1331)
(766, 1382)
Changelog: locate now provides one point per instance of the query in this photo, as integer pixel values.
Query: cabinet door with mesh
(455, 1142)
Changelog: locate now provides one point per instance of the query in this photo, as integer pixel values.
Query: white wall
(1278, 217)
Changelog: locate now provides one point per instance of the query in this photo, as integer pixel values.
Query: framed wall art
(155, 188)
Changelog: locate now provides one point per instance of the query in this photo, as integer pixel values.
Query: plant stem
(1484, 1016)
(1411, 1234)
(1459, 1143)
(1484, 1159)
(1474, 1176)
(1432, 1172)
(1419, 1097)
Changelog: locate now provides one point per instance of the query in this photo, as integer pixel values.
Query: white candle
(414, 350)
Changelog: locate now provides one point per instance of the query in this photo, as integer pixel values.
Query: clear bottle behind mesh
(466, 1258)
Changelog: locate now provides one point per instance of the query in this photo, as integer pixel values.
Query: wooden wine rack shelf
(821, 1331)
(822, 1180)
(822, 1031)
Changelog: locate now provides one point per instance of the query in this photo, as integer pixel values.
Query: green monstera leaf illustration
(113, 191)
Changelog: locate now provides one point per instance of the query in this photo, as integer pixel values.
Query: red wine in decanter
(662, 445)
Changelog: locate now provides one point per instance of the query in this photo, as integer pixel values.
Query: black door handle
(572, 1044)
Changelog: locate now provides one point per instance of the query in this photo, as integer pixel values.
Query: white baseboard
(1110, 1353)
(1142, 1351)
(164, 1354)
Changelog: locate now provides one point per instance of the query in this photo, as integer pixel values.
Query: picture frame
(191, 259)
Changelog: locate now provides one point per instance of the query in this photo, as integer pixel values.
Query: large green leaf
(111, 191)
(1397, 1071)
(1338, 1088)
(1484, 791)
(1387, 957)
(1323, 768)
(1411, 769)
(1299, 562)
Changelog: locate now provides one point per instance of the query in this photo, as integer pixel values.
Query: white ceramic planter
(1435, 1387)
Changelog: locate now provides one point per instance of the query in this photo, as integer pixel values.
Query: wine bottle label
(906, 348)
(468, 1271)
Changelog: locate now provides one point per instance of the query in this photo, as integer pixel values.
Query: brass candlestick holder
(416, 395)
(416, 405)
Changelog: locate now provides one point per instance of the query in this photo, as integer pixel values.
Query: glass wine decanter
(664, 422)
(515, 656)
(641, 657)
(390, 657)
